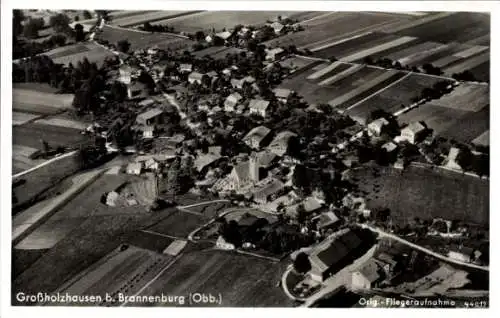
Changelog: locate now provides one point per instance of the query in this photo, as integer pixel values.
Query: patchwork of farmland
(218, 20)
(333, 26)
(456, 27)
(341, 85)
(21, 158)
(179, 224)
(77, 52)
(240, 280)
(31, 134)
(147, 16)
(425, 193)
(393, 97)
(461, 115)
(118, 272)
(83, 246)
(36, 102)
(142, 40)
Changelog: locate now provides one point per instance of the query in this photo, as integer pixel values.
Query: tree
(79, 34)
(77, 18)
(87, 15)
(301, 214)
(59, 22)
(118, 91)
(17, 22)
(301, 263)
(123, 46)
(31, 28)
(199, 36)
(465, 158)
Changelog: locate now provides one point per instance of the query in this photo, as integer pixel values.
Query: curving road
(422, 249)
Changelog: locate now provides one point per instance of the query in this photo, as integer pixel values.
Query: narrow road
(203, 203)
(382, 233)
(44, 164)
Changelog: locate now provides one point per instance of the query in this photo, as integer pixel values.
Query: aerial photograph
(250, 159)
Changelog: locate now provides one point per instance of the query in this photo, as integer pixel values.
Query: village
(225, 129)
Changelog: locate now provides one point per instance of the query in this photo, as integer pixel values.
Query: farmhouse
(134, 168)
(376, 127)
(148, 132)
(272, 187)
(257, 137)
(195, 77)
(413, 132)
(222, 244)
(281, 142)
(231, 102)
(147, 102)
(205, 162)
(185, 68)
(326, 220)
(282, 94)
(275, 54)
(311, 204)
(328, 256)
(259, 107)
(366, 276)
(86, 27)
(225, 35)
(150, 117)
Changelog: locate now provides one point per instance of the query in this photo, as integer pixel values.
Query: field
(118, 272)
(30, 135)
(240, 280)
(425, 193)
(470, 97)
(77, 52)
(437, 118)
(62, 122)
(143, 40)
(37, 102)
(334, 26)
(39, 180)
(457, 27)
(482, 72)
(217, 52)
(315, 93)
(179, 224)
(147, 16)
(218, 20)
(469, 126)
(19, 118)
(21, 158)
(393, 97)
(468, 64)
(92, 239)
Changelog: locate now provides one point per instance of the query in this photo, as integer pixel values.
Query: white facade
(359, 281)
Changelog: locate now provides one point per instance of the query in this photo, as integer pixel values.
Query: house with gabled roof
(259, 107)
(282, 94)
(413, 132)
(376, 127)
(231, 101)
(366, 276)
(280, 143)
(257, 137)
(329, 255)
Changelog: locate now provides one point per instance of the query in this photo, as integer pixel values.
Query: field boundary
(52, 207)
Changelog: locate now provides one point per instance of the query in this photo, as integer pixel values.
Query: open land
(218, 20)
(36, 102)
(77, 52)
(141, 40)
(459, 27)
(393, 97)
(335, 26)
(425, 193)
(240, 280)
(148, 16)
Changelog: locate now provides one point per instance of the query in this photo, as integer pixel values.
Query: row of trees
(435, 92)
